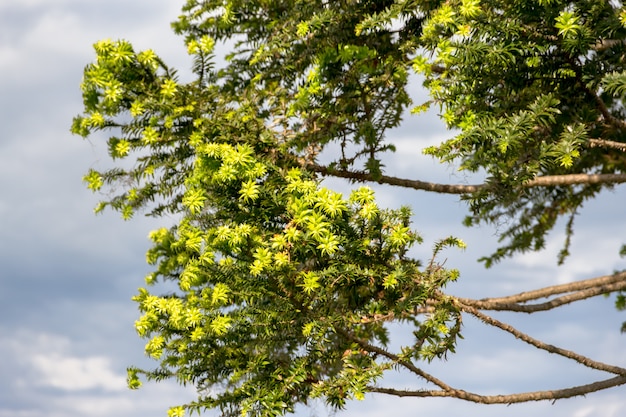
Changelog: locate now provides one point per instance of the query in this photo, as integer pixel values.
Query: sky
(66, 318)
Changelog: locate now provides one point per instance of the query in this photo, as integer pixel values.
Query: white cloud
(49, 41)
(76, 374)
(53, 380)
(22, 413)
(62, 33)
(151, 401)
(47, 360)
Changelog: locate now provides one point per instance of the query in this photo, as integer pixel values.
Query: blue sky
(67, 275)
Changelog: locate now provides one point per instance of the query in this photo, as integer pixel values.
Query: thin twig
(395, 358)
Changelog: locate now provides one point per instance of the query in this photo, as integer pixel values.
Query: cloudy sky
(67, 276)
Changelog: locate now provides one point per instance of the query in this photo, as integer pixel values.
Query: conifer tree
(286, 289)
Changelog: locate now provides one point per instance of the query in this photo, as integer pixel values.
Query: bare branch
(376, 318)
(400, 182)
(604, 44)
(548, 180)
(606, 280)
(438, 69)
(511, 398)
(600, 104)
(577, 290)
(607, 144)
(549, 305)
(574, 179)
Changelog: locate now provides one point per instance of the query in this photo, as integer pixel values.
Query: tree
(286, 289)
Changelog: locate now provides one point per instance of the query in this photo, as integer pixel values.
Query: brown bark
(578, 290)
(543, 181)
(553, 395)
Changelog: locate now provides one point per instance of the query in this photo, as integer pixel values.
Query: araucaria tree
(286, 290)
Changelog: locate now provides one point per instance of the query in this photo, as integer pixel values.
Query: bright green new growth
(280, 280)
(286, 289)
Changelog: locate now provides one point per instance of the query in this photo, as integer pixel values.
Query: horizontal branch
(549, 305)
(607, 144)
(575, 179)
(579, 290)
(604, 44)
(510, 398)
(543, 181)
(400, 182)
(605, 280)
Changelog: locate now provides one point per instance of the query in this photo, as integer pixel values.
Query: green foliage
(280, 281)
(285, 288)
(328, 84)
(529, 84)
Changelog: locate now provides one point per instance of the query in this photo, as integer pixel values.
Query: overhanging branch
(607, 144)
(549, 305)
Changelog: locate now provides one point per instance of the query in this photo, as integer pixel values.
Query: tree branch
(400, 182)
(607, 144)
(395, 358)
(511, 398)
(549, 305)
(600, 104)
(574, 179)
(587, 284)
(583, 360)
(448, 391)
(549, 180)
(578, 290)
(604, 44)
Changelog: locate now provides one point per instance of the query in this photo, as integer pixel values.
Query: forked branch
(395, 359)
(572, 292)
(575, 291)
(448, 391)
